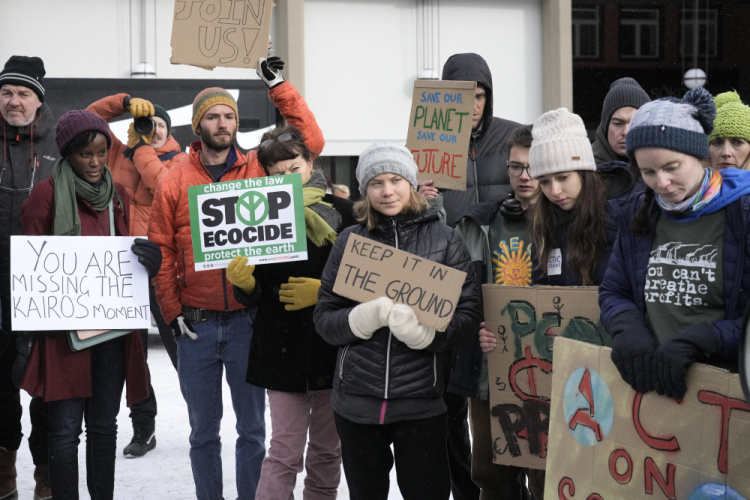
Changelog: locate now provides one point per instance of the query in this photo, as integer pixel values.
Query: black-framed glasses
(516, 169)
(282, 138)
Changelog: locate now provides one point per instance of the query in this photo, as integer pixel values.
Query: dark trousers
(11, 410)
(100, 413)
(419, 449)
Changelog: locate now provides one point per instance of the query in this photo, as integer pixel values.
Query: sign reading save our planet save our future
(261, 218)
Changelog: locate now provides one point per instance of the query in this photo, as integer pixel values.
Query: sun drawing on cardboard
(512, 267)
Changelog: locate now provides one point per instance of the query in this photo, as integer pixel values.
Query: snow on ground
(164, 473)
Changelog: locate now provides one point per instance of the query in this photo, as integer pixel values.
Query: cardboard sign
(526, 321)
(261, 218)
(210, 33)
(77, 283)
(370, 270)
(440, 131)
(607, 441)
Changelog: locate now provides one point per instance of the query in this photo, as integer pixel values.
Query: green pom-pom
(726, 98)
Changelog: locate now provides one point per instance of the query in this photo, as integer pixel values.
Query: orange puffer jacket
(141, 174)
(177, 283)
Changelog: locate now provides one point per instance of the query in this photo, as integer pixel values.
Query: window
(586, 29)
(639, 33)
(708, 39)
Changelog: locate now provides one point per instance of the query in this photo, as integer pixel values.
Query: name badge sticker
(554, 264)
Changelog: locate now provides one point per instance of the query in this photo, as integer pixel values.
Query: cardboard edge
(444, 84)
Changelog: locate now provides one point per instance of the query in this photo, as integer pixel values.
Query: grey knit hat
(624, 92)
(560, 144)
(681, 125)
(385, 158)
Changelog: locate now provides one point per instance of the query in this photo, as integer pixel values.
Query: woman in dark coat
(76, 201)
(286, 356)
(389, 382)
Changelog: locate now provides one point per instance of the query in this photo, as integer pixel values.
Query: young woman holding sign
(76, 201)
(679, 277)
(286, 356)
(388, 381)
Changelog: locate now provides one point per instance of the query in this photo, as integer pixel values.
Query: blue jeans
(222, 343)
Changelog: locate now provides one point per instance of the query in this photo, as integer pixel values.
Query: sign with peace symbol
(252, 208)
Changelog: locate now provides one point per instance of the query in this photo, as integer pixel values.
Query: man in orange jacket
(139, 165)
(213, 330)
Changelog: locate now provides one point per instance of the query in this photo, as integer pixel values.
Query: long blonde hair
(367, 215)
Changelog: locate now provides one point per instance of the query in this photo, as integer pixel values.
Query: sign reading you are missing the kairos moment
(77, 283)
(262, 219)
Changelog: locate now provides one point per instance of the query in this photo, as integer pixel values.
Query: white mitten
(405, 326)
(368, 317)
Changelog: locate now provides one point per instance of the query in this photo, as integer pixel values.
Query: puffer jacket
(383, 366)
(177, 283)
(139, 171)
(28, 155)
(486, 176)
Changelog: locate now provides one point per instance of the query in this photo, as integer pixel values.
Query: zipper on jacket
(390, 334)
(434, 369)
(341, 363)
(224, 286)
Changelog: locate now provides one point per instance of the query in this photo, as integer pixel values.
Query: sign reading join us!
(210, 33)
(77, 283)
(261, 218)
(440, 131)
(370, 270)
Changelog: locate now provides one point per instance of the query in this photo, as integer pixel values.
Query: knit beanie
(209, 98)
(385, 158)
(24, 71)
(560, 144)
(162, 113)
(76, 121)
(681, 125)
(624, 92)
(732, 117)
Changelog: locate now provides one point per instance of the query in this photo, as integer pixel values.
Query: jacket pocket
(341, 362)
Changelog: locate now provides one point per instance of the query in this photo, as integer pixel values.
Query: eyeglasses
(516, 169)
(34, 166)
(282, 138)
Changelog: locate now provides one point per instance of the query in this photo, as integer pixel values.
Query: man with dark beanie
(139, 165)
(624, 98)
(28, 154)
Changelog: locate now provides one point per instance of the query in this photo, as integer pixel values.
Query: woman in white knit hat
(388, 384)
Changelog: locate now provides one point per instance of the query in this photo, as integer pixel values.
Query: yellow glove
(141, 107)
(241, 275)
(299, 293)
(135, 140)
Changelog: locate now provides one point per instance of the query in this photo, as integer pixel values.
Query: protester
(729, 143)
(28, 155)
(689, 223)
(213, 329)
(485, 181)
(139, 165)
(624, 98)
(76, 201)
(498, 241)
(388, 380)
(287, 357)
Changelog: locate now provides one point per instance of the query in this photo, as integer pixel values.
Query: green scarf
(68, 187)
(320, 217)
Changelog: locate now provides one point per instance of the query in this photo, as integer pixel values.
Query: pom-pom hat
(732, 117)
(681, 125)
(560, 144)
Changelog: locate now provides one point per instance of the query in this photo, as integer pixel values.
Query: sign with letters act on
(607, 441)
(261, 218)
(440, 131)
(370, 270)
(526, 321)
(210, 33)
(77, 283)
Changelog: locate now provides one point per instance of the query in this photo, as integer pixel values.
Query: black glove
(149, 255)
(270, 71)
(181, 326)
(673, 358)
(632, 350)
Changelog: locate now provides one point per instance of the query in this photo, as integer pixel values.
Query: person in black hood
(624, 98)
(28, 154)
(486, 179)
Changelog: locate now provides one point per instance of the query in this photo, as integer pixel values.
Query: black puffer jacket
(28, 153)
(486, 175)
(365, 366)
